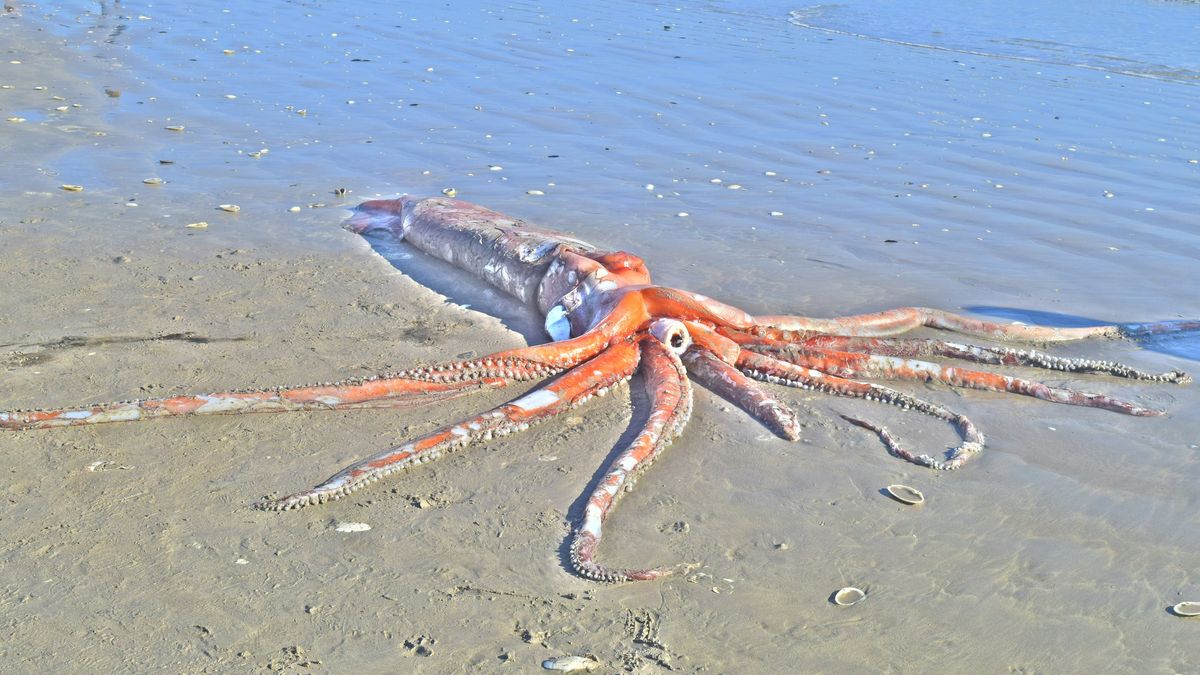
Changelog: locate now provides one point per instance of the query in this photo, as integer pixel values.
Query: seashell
(449, 192)
(1187, 609)
(231, 208)
(906, 494)
(198, 226)
(571, 663)
(62, 108)
(72, 188)
(174, 127)
(849, 596)
(535, 193)
(227, 52)
(339, 192)
(15, 120)
(153, 181)
(294, 209)
(352, 527)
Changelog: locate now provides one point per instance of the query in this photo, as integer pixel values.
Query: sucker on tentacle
(576, 386)
(781, 372)
(671, 402)
(925, 347)
(846, 364)
(605, 318)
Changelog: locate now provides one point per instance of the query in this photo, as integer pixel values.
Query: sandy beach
(824, 161)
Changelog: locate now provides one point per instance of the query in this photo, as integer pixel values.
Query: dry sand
(133, 547)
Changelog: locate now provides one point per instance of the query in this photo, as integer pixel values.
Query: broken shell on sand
(849, 596)
(231, 208)
(906, 494)
(1187, 609)
(571, 663)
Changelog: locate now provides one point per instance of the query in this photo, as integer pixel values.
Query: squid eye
(671, 333)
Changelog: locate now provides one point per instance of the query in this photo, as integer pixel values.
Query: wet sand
(905, 176)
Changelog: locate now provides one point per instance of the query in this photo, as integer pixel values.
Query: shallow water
(1040, 169)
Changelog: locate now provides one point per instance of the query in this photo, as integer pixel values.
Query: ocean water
(1019, 160)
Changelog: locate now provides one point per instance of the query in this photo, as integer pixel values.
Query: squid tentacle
(415, 386)
(1006, 356)
(903, 319)
(591, 378)
(775, 371)
(848, 364)
(408, 387)
(732, 385)
(671, 396)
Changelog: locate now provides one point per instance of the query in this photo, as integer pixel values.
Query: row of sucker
(500, 421)
(914, 347)
(780, 372)
(510, 368)
(853, 364)
(671, 399)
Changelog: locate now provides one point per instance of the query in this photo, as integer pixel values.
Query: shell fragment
(1187, 609)
(849, 596)
(72, 188)
(571, 663)
(352, 527)
(231, 208)
(906, 494)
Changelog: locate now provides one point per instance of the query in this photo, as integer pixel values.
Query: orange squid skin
(608, 321)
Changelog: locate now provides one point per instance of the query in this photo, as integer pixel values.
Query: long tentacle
(848, 364)
(409, 387)
(671, 397)
(922, 347)
(925, 347)
(895, 321)
(730, 384)
(781, 372)
(594, 377)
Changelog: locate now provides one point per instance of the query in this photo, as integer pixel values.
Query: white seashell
(849, 596)
(153, 181)
(1187, 609)
(72, 188)
(906, 494)
(449, 192)
(174, 127)
(198, 226)
(535, 193)
(352, 527)
(571, 663)
(232, 208)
